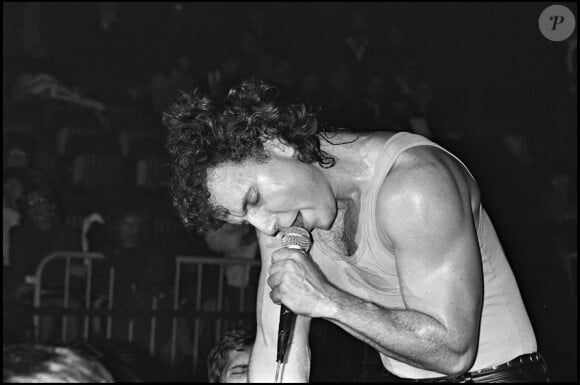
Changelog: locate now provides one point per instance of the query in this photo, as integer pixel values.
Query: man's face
(236, 370)
(273, 195)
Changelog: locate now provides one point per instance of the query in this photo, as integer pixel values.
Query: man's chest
(357, 262)
(344, 236)
(368, 274)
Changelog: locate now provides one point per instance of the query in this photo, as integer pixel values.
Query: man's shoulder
(424, 164)
(411, 168)
(423, 178)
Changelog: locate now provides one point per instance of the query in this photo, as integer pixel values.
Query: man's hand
(299, 283)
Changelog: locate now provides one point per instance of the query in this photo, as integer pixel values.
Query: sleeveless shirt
(371, 274)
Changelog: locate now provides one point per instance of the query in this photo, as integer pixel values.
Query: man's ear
(276, 147)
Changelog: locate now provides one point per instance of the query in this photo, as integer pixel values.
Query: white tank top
(370, 274)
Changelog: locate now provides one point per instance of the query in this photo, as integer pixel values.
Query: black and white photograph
(300, 192)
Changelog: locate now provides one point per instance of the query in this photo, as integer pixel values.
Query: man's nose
(267, 225)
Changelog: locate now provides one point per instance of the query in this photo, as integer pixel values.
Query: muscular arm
(262, 366)
(424, 212)
(424, 215)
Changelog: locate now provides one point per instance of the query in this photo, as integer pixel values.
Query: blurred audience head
(17, 152)
(133, 228)
(40, 206)
(29, 363)
(228, 360)
(15, 181)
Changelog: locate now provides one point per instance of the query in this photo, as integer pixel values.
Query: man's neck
(353, 167)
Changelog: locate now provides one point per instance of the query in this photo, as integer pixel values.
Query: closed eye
(254, 197)
(239, 369)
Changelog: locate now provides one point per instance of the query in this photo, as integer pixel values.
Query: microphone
(293, 238)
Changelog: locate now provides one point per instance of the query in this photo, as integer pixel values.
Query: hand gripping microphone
(292, 238)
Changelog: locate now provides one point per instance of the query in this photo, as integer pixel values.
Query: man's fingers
(274, 280)
(275, 297)
(279, 283)
(280, 291)
(286, 253)
(284, 266)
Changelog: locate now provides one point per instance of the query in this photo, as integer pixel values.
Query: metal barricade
(198, 264)
(192, 317)
(88, 259)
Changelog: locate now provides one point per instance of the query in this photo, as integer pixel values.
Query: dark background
(489, 67)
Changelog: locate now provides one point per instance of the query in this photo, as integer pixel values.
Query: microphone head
(296, 238)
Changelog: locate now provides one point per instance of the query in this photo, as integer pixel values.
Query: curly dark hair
(204, 134)
(237, 339)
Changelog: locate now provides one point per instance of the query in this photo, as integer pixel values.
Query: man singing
(404, 257)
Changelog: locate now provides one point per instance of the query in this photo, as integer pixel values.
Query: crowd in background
(83, 163)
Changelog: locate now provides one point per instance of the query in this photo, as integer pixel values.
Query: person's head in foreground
(246, 150)
(228, 361)
(29, 363)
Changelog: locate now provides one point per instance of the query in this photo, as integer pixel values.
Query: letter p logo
(557, 20)
(557, 23)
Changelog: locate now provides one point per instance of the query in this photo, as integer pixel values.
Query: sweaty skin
(421, 302)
